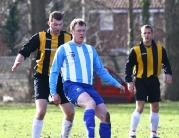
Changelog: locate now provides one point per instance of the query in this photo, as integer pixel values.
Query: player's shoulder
(156, 44)
(68, 44)
(42, 33)
(159, 45)
(89, 47)
(135, 47)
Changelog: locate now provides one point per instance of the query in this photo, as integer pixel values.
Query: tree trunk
(145, 11)
(172, 46)
(130, 25)
(37, 22)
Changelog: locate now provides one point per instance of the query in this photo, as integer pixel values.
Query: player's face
(55, 26)
(147, 35)
(79, 33)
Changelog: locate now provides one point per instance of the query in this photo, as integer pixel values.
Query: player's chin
(57, 103)
(57, 32)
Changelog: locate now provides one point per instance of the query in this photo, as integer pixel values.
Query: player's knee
(40, 115)
(90, 104)
(140, 110)
(108, 118)
(155, 109)
(70, 115)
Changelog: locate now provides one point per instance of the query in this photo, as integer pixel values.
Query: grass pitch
(16, 121)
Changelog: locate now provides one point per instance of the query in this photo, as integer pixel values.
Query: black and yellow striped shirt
(144, 62)
(46, 44)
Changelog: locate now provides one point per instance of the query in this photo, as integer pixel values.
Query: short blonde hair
(77, 21)
(147, 26)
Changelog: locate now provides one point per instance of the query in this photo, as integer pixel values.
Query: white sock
(134, 121)
(37, 128)
(154, 120)
(153, 134)
(66, 128)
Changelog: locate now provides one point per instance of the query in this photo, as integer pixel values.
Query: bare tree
(70, 10)
(145, 11)
(11, 27)
(130, 24)
(171, 44)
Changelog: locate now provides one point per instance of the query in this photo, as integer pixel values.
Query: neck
(147, 43)
(52, 33)
(77, 43)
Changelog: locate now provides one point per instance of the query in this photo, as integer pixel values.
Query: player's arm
(55, 69)
(19, 59)
(166, 66)
(103, 74)
(130, 86)
(165, 62)
(131, 61)
(25, 51)
(129, 69)
(54, 73)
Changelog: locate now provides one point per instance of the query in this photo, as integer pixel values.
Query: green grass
(16, 121)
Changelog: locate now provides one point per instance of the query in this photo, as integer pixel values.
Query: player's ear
(72, 32)
(48, 23)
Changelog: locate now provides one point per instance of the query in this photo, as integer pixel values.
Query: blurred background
(113, 27)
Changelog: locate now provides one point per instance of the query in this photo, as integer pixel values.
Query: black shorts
(147, 89)
(42, 90)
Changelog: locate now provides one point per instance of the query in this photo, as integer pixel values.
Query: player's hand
(130, 86)
(168, 78)
(121, 88)
(56, 99)
(16, 64)
(19, 59)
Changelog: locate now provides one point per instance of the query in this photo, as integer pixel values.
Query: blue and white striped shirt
(77, 64)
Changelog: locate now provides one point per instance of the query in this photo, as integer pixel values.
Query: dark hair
(55, 15)
(147, 26)
(77, 21)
